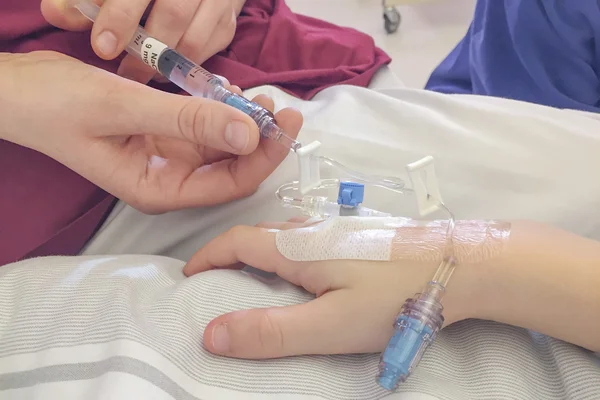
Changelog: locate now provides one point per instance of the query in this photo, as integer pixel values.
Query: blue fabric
(539, 51)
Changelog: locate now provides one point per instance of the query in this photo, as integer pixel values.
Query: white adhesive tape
(338, 238)
(391, 239)
(151, 51)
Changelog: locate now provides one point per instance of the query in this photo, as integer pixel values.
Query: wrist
(505, 281)
(476, 288)
(475, 244)
(463, 294)
(544, 277)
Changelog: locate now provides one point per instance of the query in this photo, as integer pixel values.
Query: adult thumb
(200, 121)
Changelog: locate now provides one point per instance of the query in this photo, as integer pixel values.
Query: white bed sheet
(117, 326)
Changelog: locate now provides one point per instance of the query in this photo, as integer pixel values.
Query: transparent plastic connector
(415, 328)
(319, 206)
(310, 177)
(418, 323)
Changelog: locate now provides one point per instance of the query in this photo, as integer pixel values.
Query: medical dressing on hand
(393, 239)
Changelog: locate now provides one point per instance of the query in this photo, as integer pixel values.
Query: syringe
(418, 323)
(192, 78)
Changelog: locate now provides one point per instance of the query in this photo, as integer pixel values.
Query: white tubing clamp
(308, 166)
(425, 185)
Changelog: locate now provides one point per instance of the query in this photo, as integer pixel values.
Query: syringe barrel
(191, 77)
(414, 330)
(134, 47)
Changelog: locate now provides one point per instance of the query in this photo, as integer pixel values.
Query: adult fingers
(143, 110)
(63, 15)
(169, 184)
(239, 177)
(211, 30)
(326, 325)
(249, 171)
(211, 155)
(228, 180)
(235, 89)
(167, 22)
(264, 101)
(115, 26)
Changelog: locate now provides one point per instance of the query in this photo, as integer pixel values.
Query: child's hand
(355, 308)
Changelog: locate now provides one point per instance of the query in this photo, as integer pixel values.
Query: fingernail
(237, 135)
(107, 42)
(220, 339)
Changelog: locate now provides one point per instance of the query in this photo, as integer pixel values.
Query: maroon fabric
(299, 54)
(47, 209)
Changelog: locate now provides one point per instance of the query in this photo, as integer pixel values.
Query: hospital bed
(129, 326)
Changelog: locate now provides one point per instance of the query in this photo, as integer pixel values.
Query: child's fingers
(301, 219)
(244, 244)
(330, 324)
(281, 226)
(292, 223)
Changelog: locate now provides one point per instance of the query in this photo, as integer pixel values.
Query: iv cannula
(192, 78)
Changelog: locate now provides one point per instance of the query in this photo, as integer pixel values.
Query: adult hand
(354, 310)
(154, 150)
(197, 28)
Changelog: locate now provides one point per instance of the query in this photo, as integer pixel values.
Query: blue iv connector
(416, 326)
(351, 194)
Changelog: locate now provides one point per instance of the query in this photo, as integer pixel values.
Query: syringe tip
(274, 132)
(295, 145)
(288, 141)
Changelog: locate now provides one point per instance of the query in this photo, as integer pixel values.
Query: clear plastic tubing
(192, 78)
